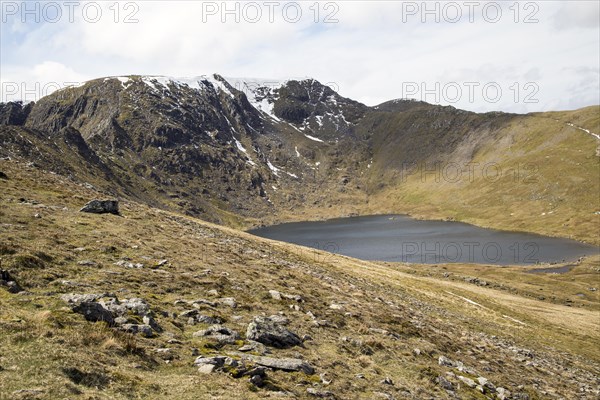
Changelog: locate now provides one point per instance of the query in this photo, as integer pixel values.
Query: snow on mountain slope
(198, 82)
(261, 93)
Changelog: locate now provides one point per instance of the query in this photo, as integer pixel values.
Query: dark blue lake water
(398, 238)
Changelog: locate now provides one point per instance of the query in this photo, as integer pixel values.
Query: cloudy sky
(477, 55)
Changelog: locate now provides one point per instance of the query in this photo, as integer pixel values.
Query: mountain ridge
(202, 146)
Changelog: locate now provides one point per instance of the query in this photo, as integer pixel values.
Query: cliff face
(14, 113)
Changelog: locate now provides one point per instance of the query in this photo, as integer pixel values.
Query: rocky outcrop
(101, 207)
(87, 305)
(124, 314)
(14, 113)
(94, 312)
(250, 365)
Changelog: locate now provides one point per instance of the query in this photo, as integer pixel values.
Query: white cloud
(578, 14)
(30, 84)
(371, 54)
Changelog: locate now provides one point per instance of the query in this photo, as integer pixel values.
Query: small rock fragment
(254, 346)
(445, 383)
(207, 368)
(8, 281)
(318, 393)
(446, 362)
(502, 393)
(87, 263)
(467, 381)
(387, 381)
(275, 295)
(228, 301)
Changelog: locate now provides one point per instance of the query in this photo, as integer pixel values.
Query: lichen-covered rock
(255, 347)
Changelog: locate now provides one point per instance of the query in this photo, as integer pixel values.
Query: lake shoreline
(438, 241)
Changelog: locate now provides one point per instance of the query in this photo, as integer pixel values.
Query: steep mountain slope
(368, 330)
(196, 145)
(244, 152)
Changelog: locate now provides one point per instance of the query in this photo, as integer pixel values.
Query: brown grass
(44, 345)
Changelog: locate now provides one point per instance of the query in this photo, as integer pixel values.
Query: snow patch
(465, 299)
(217, 84)
(260, 93)
(125, 81)
(277, 170)
(313, 138)
(196, 83)
(266, 107)
(514, 320)
(273, 168)
(585, 130)
(240, 147)
(73, 86)
(151, 81)
(319, 119)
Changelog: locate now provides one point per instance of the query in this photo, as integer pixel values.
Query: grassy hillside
(373, 330)
(536, 175)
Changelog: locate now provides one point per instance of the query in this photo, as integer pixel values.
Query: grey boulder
(272, 332)
(144, 330)
(220, 333)
(101, 207)
(94, 312)
(284, 364)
